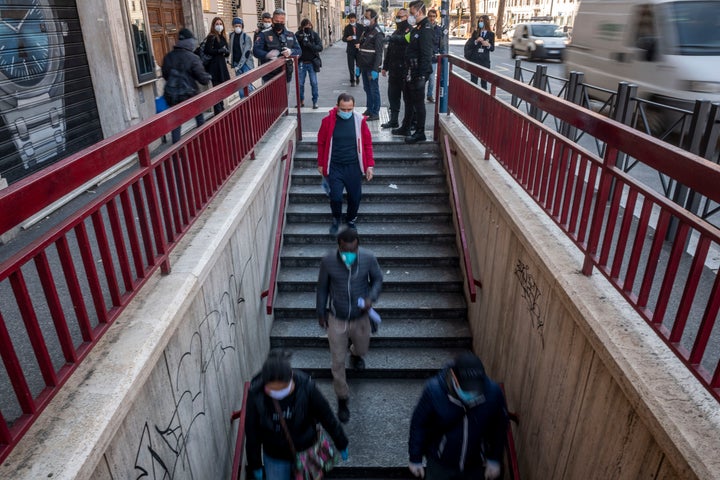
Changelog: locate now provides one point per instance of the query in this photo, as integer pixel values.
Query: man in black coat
(418, 62)
(394, 65)
(181, 68)
(351, 36)
(278, 41)
(459, 424)
(369, 61)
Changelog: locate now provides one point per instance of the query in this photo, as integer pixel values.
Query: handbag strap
(284, 427)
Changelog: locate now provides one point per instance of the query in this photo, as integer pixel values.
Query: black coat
(394, 62)
(476, 52)
(183, 59)
(310, 44)
(217, 47)
(302, 409)
(419, 53)
(370, 53)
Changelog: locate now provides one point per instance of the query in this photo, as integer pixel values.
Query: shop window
(144, 62)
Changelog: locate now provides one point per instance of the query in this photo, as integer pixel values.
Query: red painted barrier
(619, 223)
(104, 252)
(236, 473)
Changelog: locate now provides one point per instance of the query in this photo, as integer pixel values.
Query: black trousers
(351, 56)
(414, 92)
(474, 79)
(395, 91)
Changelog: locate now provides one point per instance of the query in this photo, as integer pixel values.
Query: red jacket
(364, 141)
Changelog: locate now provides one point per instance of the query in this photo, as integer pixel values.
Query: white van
(537, 40)
(669, 49)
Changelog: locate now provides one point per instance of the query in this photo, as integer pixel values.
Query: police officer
(369, 61)
(394, 65)
(418, 62)
(278, 41)
(351, 36)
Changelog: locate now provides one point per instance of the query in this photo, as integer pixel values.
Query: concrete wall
(154, 397)
(598, 394)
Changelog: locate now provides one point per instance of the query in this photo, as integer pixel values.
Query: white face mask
(366, 22)
(412, 20)
(280, 394)
(238, 30)
(218, 28)
(352, 24)
(267, 25)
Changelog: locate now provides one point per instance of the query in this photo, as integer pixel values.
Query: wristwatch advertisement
(31, 79)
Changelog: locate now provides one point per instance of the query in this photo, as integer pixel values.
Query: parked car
(460, 31)
(539, 40)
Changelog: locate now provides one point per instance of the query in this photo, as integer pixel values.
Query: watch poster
(47, 103)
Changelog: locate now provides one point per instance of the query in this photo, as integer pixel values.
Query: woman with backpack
(217, 48)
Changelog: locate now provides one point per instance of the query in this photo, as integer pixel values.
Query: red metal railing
(510, 443)
(457, 209)
(617, 222)
(129, 232)
(270, 292)
(236, 473)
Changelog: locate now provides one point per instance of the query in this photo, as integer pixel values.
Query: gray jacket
(246, 46)
(343, 286)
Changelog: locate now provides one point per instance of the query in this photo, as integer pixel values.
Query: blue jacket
(458, 437)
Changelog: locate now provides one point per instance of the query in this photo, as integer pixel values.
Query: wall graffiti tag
(531, 294)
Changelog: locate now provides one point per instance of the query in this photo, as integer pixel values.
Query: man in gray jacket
(347, 275)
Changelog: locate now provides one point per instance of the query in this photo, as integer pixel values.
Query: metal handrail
(618, 223)
(270, 292)
(133, 227)
(457, 208)
(510, 441)
(241, 414)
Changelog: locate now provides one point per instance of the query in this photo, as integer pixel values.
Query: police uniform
(269, 40)
(394, 64)
(369, 59)
(418, 64)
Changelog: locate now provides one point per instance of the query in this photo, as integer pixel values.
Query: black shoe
(390, 124)
(402, 131)
(315, 107)
(372, 118)
(357, 362)
(334, 227)
(415, 137)
(430, 99)
(352, 83)
(343, 411)
(302, 104)
(366, 113)
(357, 80)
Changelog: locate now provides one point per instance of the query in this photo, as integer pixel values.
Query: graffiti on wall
(162, 451)
(531, 294)
(47, 103)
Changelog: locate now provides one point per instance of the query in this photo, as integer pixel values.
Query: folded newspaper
(375, 319)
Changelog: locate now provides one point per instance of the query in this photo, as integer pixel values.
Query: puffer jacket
(302, 409)
(343, 285)
(182, 59)
(457, 436)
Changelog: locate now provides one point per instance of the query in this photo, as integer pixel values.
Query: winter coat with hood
(183, 59)
(363, 139)
(302, 410)
(458, 436)
(343, 285)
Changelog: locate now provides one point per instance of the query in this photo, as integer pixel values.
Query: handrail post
(539, 82)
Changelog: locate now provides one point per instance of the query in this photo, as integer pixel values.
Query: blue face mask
(344, 115)
(481, 24)
(348, 257)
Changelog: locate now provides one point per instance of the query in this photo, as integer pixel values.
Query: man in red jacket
(345, 156)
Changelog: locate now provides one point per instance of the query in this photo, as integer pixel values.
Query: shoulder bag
(316, 461)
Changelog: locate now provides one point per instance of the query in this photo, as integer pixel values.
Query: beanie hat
(237, 21)
(184, 34)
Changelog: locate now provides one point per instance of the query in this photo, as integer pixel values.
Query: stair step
(399, 333)
(373, 212)
(377, 193)
(380, 363)
(389, 256)
(447, 279)
(375, 233)
(381, 149)
(391, 305)
(380, 413)
(302, 175)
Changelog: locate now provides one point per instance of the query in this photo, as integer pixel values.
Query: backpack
(200, 52)
(179, 87)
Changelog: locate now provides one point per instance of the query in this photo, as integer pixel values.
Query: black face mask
(307, 29)
(278, 27)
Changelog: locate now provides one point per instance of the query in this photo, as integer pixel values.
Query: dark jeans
(395, 89)
(199, 120)
(415, 104)
(348, 177)
(372, 92)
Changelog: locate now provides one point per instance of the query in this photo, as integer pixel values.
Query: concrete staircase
(406, 219)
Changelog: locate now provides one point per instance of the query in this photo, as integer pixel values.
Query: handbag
(317, 63)
(316, 461)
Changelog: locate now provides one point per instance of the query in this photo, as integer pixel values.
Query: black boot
(343, 412)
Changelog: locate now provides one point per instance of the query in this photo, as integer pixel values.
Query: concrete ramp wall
(597, 392)
(153, 399)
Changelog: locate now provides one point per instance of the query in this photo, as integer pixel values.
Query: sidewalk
(334, 79)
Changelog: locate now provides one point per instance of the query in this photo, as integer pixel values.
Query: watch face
(24, 41)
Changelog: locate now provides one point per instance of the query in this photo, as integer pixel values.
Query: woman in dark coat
(217, 47)
(303, 407)
(479, 46)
